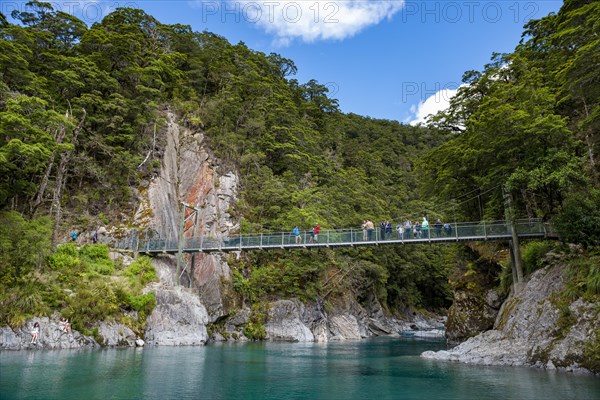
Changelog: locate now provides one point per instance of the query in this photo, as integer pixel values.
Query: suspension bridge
(352, 237)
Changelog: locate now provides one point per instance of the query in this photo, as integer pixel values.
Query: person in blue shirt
(297, 235)
(73, 236)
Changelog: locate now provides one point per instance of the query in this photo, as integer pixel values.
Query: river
(382, 368)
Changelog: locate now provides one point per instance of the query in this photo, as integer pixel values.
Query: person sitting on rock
(65, 326)
(35, 332)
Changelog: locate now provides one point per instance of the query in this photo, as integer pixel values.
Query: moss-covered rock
(476, 302)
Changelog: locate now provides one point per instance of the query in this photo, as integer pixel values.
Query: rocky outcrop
(179, 318)
(50, 336)
(210, 271)
(117, 335)
(233, 326)
(285, 322)
(345, 327)
(166, 266)
(291, 320)
(476, 302)
(532, 330)
(471, 313)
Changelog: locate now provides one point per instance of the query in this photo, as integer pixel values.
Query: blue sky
(387, 59)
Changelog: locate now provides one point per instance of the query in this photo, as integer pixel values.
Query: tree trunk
(588, 142)
(590, 146)
(42, 190)
(60, 182)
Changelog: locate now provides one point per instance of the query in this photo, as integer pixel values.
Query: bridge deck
(480, 231)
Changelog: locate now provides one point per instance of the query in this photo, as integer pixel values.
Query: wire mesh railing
(457, 231)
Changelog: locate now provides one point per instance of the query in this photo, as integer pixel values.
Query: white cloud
(432, 105)
(310, 20)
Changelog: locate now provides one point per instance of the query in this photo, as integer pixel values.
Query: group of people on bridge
(314, 234)
(404, 230)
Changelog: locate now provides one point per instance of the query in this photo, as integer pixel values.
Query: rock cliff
(178, 319)
(190, 175)
(532, 329)
(476, 302)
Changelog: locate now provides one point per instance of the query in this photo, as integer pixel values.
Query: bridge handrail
(344, 236)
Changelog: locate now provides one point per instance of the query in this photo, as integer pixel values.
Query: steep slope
(538, 326)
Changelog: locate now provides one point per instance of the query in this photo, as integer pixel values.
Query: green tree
(24, 246)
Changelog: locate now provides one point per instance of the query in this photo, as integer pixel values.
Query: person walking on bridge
(417, 229)
(425, 228)
(438, 227)
(297, 236)
(400, 231)
(407, 228)
(370, 228)
(448, 229)
(316, 231)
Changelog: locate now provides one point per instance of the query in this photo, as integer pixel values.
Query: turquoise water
(379, 369)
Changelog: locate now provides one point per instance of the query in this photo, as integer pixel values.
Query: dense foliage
(528, 122)
(81, 283)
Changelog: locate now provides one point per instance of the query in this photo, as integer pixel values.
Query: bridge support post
(180, 244)
(515, 249)
(513, 263)
(181, 237)
(193, 266)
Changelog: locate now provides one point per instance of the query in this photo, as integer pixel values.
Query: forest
(79, 107)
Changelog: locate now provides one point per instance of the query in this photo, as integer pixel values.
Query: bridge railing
(348, 237)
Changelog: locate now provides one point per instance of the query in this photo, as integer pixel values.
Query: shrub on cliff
(73, 282)
(579, 219)
(533, 253)
(24, 245)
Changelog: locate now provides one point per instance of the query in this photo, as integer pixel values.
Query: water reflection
(377, 369)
